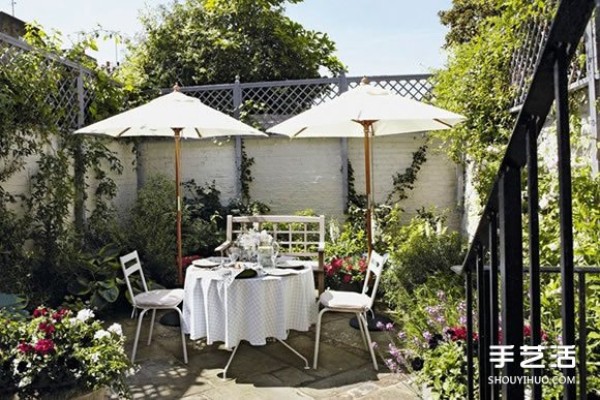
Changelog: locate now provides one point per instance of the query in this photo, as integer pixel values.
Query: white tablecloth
(248, 309)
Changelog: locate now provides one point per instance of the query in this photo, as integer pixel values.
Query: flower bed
(344, 273)
(55, 350)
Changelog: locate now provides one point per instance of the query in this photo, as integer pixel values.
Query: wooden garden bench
(297, 236)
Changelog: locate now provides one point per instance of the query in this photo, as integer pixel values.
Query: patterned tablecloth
(247, 309)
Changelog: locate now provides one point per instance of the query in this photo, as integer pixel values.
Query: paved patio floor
(263, 372)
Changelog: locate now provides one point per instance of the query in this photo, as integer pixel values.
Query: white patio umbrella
(173, 115)
(366, 112)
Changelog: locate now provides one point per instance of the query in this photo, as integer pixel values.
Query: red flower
(362, 265)
(457, 333)
(40, 311)
(60, 314)
(337, 263)
(346, 278)
(44, 346)
(47, 328)
(24, 347)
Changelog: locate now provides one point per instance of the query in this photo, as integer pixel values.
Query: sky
(373, 37)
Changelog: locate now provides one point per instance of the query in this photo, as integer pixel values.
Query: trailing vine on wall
(246, 178)
(403, 182)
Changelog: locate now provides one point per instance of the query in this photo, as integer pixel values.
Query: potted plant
(61, 353)
(346, 273)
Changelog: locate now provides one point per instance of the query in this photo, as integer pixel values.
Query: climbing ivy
(405, 181)
(34, 126)
(476, 83)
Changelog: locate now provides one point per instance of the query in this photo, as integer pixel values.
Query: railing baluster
(561, 96)
(534, 249)
(482, 310)
(469, 311)
(582, 339)
(511, 272)
(494, 313)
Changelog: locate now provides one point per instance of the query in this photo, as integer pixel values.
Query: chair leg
(137, 334)
(151, 327)
(185, 357)
(318, 337)
(362, 331)
(235, 349)
(366, 327)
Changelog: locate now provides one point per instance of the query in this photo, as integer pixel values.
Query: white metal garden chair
(352, 302)
(158, 299)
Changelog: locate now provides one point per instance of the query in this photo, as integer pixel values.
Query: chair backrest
(376, 263)
(130, 263)
(297, 235)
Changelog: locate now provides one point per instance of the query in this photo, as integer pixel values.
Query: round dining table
(253, 309)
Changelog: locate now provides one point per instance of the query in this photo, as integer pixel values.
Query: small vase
(266, 256)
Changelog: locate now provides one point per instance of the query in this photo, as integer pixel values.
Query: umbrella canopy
(159, 117)
(173, 115)
(366, 112)
(389, 114)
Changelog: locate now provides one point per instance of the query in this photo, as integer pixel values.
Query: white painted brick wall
(289, 175)
(436, 181)
(203, 160)
(292, 175)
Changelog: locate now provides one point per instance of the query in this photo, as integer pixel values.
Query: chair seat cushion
(345, 300)
(159, 298)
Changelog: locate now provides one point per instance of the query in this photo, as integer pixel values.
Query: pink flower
(346, 278)
(362, 265)
(337, 263)
(44, 346)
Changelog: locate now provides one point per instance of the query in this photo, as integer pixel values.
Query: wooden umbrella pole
(178, 194)
(366, 126)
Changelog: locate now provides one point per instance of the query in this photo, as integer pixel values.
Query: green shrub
(152, 229)
(418, 250)
(445, 371)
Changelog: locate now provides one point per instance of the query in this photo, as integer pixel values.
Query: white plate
(277, 272)
(290, 263)
(205, 263)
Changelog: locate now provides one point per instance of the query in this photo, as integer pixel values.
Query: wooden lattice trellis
(272, 102)
(72, 96)
(534, 35)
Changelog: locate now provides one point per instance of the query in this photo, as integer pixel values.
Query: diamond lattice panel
(270, 105)
(534, 36)
(219, 99)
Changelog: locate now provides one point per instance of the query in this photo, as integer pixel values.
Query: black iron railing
(494, 265)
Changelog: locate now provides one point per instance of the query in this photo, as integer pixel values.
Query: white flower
(84, 315)
(101, 333)
(95, 357)
(116, 328)
(265, 238)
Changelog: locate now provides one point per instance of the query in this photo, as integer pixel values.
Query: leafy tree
(465, 18)
(476, 83)
(213, 41)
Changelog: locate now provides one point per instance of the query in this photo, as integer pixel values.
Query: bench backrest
(299, 236)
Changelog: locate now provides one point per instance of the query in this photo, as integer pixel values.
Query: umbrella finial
(364, 80)
(176, 87)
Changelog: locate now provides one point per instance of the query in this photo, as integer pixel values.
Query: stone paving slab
(262, 372)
